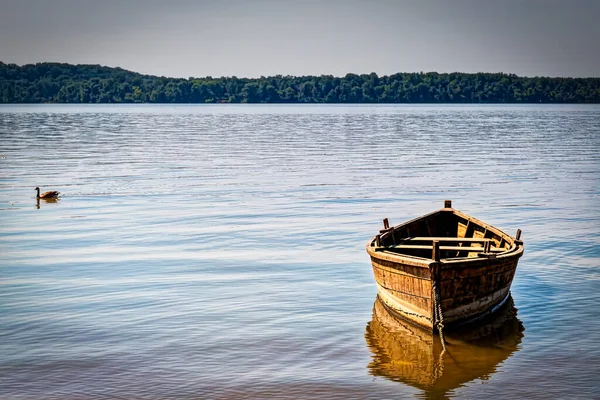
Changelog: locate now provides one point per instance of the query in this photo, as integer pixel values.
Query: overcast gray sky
(182, 38)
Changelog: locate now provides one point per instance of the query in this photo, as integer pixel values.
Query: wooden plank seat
(445, 239)
(442, 248)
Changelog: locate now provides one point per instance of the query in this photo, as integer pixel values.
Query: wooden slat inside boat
(473, 264)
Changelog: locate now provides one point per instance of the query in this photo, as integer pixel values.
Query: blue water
(218, 251)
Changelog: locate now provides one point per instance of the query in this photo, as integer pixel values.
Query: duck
(52, 194)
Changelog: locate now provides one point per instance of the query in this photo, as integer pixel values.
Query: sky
(252, 38)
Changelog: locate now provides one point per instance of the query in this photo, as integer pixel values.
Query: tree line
(67, 83)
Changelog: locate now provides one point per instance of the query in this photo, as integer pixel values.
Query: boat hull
(467, 290)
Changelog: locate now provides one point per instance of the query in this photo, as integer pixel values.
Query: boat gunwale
(516, 250)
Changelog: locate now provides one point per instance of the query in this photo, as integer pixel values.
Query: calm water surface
(218, 251)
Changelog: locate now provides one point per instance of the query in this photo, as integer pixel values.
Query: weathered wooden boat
(412, 355)
(444, 268)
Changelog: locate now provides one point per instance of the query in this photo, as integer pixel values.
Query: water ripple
(218, 251)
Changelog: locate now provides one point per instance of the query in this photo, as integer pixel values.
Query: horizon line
(299, 76)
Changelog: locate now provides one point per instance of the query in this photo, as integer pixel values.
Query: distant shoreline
(56, 83)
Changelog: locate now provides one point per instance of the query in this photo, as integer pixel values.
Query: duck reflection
(52, 200)
(406, 353)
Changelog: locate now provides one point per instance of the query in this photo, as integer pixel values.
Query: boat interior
(444, 234)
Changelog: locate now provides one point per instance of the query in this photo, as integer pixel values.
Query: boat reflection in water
(406, 353)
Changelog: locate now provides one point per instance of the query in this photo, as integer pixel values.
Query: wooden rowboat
(444, 267)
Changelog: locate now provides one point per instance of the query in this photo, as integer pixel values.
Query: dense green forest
(66, 83)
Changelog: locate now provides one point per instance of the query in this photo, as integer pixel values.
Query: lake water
(218, 251)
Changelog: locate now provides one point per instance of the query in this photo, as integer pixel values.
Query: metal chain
(414, 314)
(439, 317)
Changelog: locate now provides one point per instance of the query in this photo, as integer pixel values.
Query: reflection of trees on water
(408, 354)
